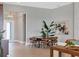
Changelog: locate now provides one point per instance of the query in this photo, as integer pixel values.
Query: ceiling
(47, 5)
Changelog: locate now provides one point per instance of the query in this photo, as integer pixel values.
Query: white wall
(61, 14)
(17, 13)
(76, 20)
(18, 27)
(64, 14)
(35, 17)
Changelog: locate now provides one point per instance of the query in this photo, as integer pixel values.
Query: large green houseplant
(48, 30)
(1, 37)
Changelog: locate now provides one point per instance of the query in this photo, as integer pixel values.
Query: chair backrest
(53, 39)
(32, 38)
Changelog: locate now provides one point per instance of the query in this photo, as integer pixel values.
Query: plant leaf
(45, 25)
(43, 33)
(52, 23)
(49, 30)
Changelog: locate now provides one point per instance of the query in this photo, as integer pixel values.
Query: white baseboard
(18, 41)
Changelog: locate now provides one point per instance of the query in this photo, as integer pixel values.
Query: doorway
(10, 31)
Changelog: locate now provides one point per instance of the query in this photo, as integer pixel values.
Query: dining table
(72, 50)
(50, 40)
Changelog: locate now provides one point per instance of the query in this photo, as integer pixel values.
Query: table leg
(51, 52)
(60, 54)
(38, 44)
(72, 56)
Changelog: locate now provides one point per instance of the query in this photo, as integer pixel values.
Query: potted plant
(1, 37)
(69, 43)
(48, 30)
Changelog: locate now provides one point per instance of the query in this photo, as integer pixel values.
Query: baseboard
(18, 41)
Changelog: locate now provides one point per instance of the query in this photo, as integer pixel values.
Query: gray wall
(1, 16)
